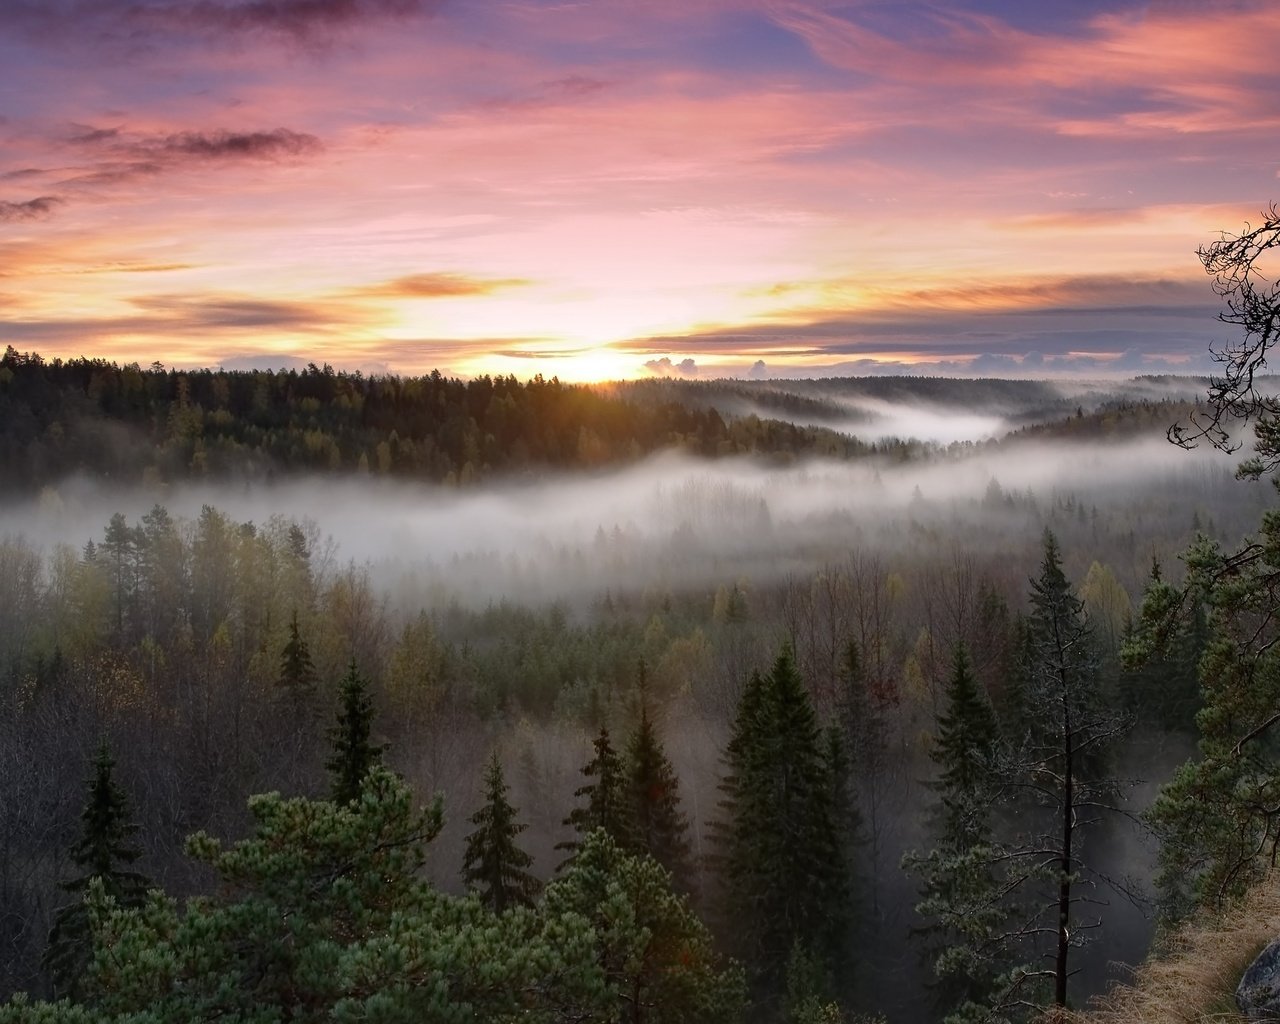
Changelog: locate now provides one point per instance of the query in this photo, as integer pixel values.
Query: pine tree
(494, 864)
(354, 752)
(322, 914)
(297, 674)
(102, 851)
(659, 826)
(606, 804)
(1217, 819)
(658, 962)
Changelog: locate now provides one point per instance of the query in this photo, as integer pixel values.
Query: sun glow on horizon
(449, 188)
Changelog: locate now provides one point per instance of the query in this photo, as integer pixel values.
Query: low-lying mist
(675, 522)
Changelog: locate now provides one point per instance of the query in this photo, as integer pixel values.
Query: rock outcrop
(1258, 994)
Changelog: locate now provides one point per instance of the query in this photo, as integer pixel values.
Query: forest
(325, 697)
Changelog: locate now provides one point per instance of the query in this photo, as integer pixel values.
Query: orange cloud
(439, 286)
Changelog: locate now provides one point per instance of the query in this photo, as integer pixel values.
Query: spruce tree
(965, 753)
(494, 864)
(1062, 761)
(102, 851)
(785, 863)
(660, 828)
(960, 892)
(354, 751)
(606, 804)
(731, 806)
(297, 673)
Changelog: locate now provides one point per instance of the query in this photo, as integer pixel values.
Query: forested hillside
(133, 425)
(129, 425)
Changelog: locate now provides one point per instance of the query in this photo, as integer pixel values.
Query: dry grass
(1194, 981)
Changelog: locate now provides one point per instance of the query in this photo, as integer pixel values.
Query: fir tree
(660, 828)
(606, 804)
(354, 752)
(297, 674)
(101, 852)
(494, 864)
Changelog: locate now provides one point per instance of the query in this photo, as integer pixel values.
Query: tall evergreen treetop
(494, 864)
(959, 890)
(660, 826)
(297, 673)
(606, 798)
(965, 753)
(102, 851)
(104, 842)
(785, 865)
(354, 752)
(1060, 634)
(1062, 761)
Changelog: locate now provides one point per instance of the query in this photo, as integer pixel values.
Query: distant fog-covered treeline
(130, 424)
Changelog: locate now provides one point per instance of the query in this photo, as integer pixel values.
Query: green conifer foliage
(101, 852)
(784, 828)
(1160, 682)
(606, 804)
(965, 753)
(960, 892)
(354, 752)
(1064, 758)
(297, 673)
(658, 962)
(495, 866)
(660, 828)
(322, 915)
(1217, 819)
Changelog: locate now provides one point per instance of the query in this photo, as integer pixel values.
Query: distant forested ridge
(127, 424)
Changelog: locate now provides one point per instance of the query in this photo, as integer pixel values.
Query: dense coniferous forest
(792, 722)
(133, 425)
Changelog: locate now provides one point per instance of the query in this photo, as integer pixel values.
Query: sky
(601, 189)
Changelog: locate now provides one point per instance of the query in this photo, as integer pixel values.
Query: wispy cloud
(136, 22)
(120, 156)
(211, 312)
(225, 145)
(1082, 318)
(302, 19)
(438, 286)
(154, 149)
(30, 209)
